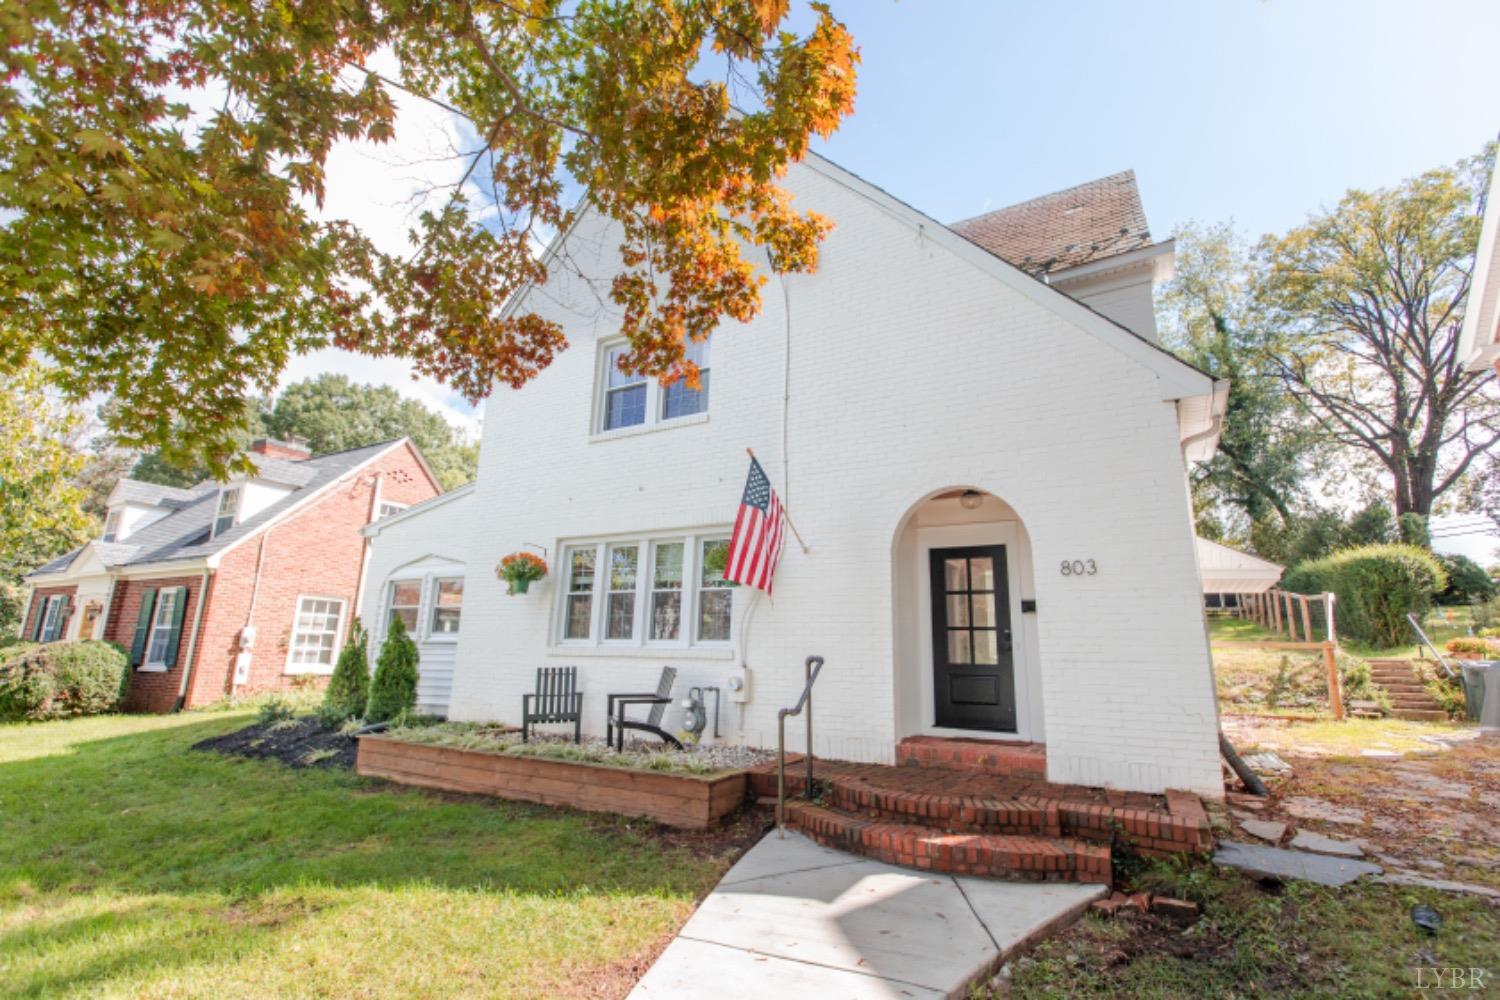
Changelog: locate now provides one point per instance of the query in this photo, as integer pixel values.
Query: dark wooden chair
(617, 703)
(556, 699)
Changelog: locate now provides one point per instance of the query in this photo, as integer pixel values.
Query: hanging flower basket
(518, 570)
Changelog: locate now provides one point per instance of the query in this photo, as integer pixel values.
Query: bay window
(647, 589)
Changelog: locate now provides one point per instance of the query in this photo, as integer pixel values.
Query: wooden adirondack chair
(556, 699)
(617, 703)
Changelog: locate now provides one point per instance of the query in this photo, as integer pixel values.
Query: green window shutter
(41, 618)
(176, 635)
(142, 627)
(62, 616)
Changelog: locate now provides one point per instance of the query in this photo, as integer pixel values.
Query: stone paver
(1306, 807)
(1265, 829)
(793, 918)
(1443, 884)
(1274, 861)
(1307, 840)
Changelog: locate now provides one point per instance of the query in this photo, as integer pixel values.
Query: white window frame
(434, 581)
(427, 582)
(388, 508)
(656, 397)
(238, 492)
(52, 620)
(163, 604)
(687, 628)
(292, 667)
(117, 515)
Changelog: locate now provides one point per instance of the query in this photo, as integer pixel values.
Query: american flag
(756, 546)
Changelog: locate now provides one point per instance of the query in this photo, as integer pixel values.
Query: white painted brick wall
(912, 370)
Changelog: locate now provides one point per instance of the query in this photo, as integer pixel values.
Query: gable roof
(1078, 225)
(150, 494)
(184, 533)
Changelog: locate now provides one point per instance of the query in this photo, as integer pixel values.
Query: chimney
(293, 449)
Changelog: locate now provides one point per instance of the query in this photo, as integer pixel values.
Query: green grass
(133, 866)
(1303, 941)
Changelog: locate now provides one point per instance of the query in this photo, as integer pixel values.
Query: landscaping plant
(519, 569)
(61, 679)
(393, 692)
(1468, 582)
(349, 688)
(1377, 586)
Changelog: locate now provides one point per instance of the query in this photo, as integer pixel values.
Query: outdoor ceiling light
(971, 499)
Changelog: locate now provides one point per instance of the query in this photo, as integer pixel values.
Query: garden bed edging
(687, 801)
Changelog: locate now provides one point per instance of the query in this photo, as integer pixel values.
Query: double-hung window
(317, 633)
(652, 591)
(637, 401)
(53, 618)
(161, 627)
(624, 394)
(447, 606)
(406, 604)
(681, 400)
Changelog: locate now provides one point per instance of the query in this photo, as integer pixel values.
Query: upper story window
(229, 510)
(112, 524)
(648, 590)
(637, 401)
(386, 509)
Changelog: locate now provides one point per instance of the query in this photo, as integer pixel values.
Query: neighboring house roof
(1090, 222)
(1224, 570)
(184, 534)
(150, 494)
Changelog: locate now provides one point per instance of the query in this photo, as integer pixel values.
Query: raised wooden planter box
(682, 800)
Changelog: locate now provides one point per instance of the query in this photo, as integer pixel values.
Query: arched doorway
(965, 620)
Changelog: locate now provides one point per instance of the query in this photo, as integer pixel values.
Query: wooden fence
(1310, 616)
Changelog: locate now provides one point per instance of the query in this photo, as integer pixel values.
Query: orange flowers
(518, 570)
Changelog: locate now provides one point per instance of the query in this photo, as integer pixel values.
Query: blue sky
(1256, 110)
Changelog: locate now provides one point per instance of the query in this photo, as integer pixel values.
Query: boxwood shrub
(61, 679)
(1376, 586)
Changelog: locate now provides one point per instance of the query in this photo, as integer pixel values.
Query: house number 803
(1079, 567)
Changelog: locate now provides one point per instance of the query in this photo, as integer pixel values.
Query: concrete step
(1420, 715)
(1004, 856)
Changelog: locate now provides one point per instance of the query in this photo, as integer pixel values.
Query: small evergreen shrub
(61, 680)
(349, 688)
(276, 709)
(1376, 585)
(393, 691)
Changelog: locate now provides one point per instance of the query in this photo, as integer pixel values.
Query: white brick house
(917, 395)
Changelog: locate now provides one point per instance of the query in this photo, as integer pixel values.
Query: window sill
(660, 425)
(644, 652)
(308, 672)
(152, 668)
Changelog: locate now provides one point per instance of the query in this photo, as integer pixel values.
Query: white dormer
(241, 499)
(125, 519)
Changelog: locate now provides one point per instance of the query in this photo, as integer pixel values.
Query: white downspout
(364, 552)
(187, 671)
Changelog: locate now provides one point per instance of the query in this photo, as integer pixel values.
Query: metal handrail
(1442, 660)
(811, 668)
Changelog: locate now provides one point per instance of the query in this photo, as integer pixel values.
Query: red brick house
(230, 588)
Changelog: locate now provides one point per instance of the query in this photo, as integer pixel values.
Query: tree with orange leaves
(167, 254)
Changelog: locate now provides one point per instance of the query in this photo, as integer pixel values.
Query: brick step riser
(937, 814)
(1418, 715)
(1038, 860)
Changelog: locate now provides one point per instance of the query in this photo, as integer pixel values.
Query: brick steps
(1002, 758)
(1008, 827)
(1008, 856)
(1420, 714)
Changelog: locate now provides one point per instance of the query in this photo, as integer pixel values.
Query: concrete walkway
(793, 919)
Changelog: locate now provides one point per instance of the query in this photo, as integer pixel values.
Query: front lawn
(135, 866)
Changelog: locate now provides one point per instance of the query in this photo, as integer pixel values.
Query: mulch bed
(295, 742)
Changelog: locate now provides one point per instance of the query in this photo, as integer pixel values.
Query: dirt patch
(294, 742)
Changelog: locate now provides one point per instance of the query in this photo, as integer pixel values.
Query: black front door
(974, 677)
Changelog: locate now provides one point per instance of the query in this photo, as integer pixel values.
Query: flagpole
(795, 533)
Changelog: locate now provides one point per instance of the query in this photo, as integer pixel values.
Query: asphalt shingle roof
(184, 533)
(1057, 231)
